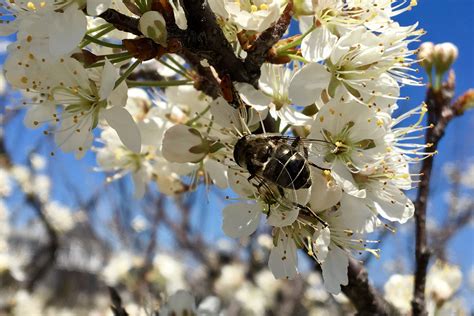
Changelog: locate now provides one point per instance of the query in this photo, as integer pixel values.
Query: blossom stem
(174, 68)
(117, 55)
(127, 72)
(296, 42)
(160, 84)
(102, 43)
(112, 60)
(140, 6)
(198, 116)
(296, 57)
(174, 61)
(99, 28)
(98, 35)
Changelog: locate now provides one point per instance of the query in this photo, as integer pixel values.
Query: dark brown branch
(205, 80)
(362, 294)
(260, 48)
(121, 21)
(205, 40)
(440, 113)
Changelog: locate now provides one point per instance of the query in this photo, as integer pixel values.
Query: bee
(277, 163)
(274, 159)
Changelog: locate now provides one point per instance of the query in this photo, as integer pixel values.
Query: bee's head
(251, 152)
(240, 151)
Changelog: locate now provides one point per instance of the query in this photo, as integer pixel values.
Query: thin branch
(444, 234)
(440, 113)
(121, 21)
(262, 45)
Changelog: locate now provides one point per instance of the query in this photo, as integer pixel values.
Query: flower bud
(466, 101)
(153, 25)
(425, 55)
(183, 144)
(444, 55)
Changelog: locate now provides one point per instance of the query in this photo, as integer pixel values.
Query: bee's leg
(296, 142)
(250, 177)
(318, 167)
(322, 221)
(269, 210)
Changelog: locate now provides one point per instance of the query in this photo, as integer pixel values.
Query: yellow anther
(379, 123)
(253, 8)
(31, 6)
(263, 6)
(339, 144)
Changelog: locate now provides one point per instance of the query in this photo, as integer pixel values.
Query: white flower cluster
(336, 163)
(442, 283)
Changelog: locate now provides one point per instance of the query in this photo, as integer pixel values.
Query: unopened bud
(444, 55)
(153, 25)
(425, 55)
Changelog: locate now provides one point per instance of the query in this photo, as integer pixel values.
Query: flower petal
(108, 78)
(307, 84)
(96, 7)
(253, 97)
(283, 261)
(122, 122)
(240, 219)
(66, 31)
(321, 240)
(335, 269)
(278, 218)
(318, 45)
(324, 194)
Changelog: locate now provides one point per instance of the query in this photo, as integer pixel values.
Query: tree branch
(363, 295)
(440, 113)
(204, 39)
(260, 48)
(44, 257)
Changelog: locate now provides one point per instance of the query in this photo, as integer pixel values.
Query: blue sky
(444, 21)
